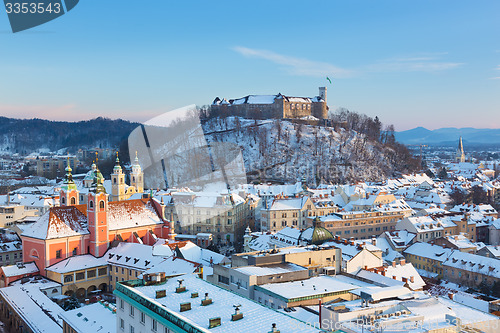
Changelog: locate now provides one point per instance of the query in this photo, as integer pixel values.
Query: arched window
(73, 201)
(34, 254)
(91, 204)
(114, 180)
(63, 201)
(133, 179)
(101, 205)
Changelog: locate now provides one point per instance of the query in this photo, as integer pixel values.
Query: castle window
(73, 201)
(101, 205)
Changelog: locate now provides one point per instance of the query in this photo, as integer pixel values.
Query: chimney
(274, 329)
(383, 273)
(412, 279)
(374, 241)
(402, 262)
(393, 263)
(394, 277)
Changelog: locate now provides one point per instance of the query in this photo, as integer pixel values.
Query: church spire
(460, 156)
(98, 183)
(68, 183)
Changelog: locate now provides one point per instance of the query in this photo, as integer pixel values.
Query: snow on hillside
(282, 150)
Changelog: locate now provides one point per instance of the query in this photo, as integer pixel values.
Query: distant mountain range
(449, 136)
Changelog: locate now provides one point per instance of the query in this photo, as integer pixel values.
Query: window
(122, 324)
(103, 271)
(121, 304)
(91, 273)
(132, 329)
(91, 204)
(131, 311)
(116, 269)
(143, 318)
(74, 251)
(80, 275)
(68, 278)
(154, 325)
(58, 254)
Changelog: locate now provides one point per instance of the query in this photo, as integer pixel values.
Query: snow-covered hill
(284, 151)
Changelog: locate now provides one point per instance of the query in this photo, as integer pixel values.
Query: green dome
(321, 235)
(316, 234)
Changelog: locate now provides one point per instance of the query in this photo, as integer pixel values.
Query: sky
(411, 63)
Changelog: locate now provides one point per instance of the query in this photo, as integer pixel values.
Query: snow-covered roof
(270, 269)
(70, 221)
(256, 318)
(34, 307)
(174, 266)
(474, 263)
(405, 272)
(379, 279)
(426, 250)
(94, 317)
(132, 255)
(10, 246)
(76, 263)
(314, 286)
(58, 222)
(289, 204)
(254, 99)
(22, 269)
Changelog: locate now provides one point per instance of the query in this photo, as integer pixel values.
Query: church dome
(316, 234)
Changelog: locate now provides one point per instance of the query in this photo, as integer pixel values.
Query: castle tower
(322, 93)
(319, 105)
(460, 156)
(137, 176)
(117, 182)
(68, 195)
(97, 215)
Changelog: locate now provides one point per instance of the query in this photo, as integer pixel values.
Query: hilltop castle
(273, 106)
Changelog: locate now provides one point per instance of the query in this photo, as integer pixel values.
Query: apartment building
(205, 212)
(362, 224)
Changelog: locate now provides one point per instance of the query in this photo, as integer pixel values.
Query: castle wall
(280, 109)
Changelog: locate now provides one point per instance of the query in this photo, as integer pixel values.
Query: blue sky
(412, 63)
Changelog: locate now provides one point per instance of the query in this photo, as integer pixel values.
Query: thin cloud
(495, 78)
(296, 66)
(428, 62)
(423, 62)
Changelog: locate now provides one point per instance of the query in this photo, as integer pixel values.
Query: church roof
(59, 222)
(68, 221)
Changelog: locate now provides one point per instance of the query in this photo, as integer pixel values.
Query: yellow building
(80, 275)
